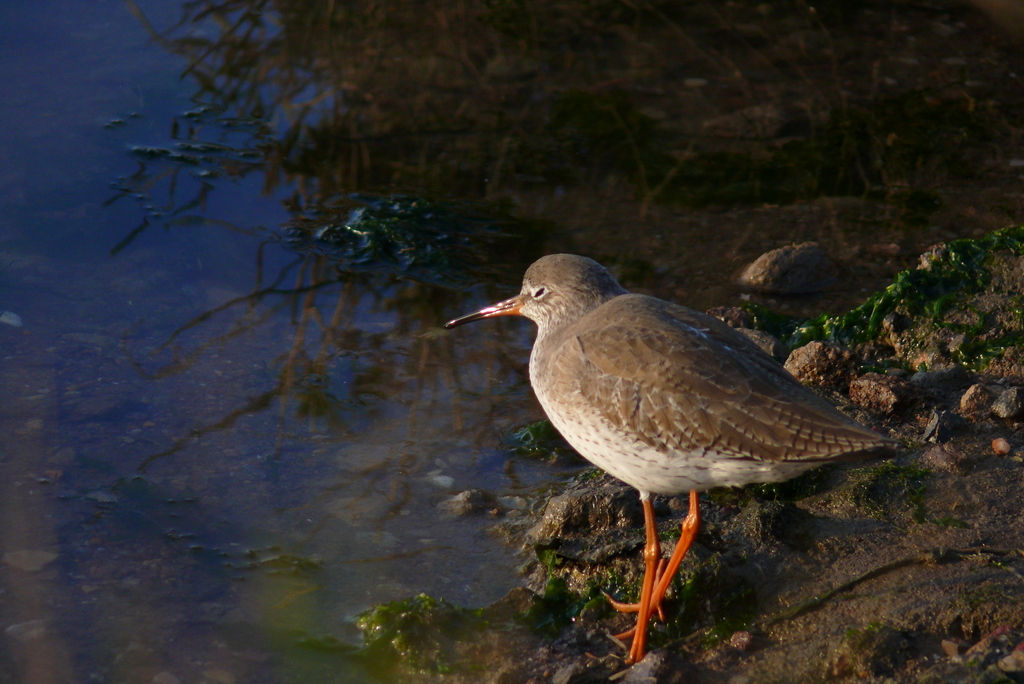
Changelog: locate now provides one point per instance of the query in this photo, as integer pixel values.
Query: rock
(164, 677)
(436, 478)
(660, 666)
(733, 316)
(1013, 662)
(932, 255)
(882, 393)
(219, 676)
(945, 457)
(953, 378)
(766, 341)
(1010, 404)
(741, 640)
(822, 363)
(27, 631)
(949, 647)
(589, 510)
(469, 502)
(795, 269)
(942, 426)
(514, 503)
(29, 560)
(1000, 446)
(976, 402)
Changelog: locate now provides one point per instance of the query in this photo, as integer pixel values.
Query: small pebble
(1001, 446)
(27, 631)
(165, 677)
(975, 401)
(733, 316)
(954, 377)
(468, 502)
(29, 560)
(741, 640)
(951, 648)
(821, 363)
(1013, 662)
(1010, 404)
(219, 676)
(942, 426)
(883, 393)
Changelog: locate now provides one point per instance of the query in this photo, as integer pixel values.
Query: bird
(669, 400)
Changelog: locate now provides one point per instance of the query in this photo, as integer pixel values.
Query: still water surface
(192, 478)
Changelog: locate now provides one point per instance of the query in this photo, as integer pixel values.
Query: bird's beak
(509, 307)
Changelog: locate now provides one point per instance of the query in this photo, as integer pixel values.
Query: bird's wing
(679, 380)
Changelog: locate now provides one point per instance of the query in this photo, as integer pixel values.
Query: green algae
(557, 606)
(537, 440)
(434, 242)
(709, 597)
(420, 631)
(955, 273)
(889, 488)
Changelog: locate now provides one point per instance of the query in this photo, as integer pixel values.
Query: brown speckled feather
(678, 380)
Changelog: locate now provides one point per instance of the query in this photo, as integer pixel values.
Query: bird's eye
(539, 292)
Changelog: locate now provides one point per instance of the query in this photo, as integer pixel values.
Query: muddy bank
(907, 570)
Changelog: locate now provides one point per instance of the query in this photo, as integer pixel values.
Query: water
(213, 446)
(218, 446)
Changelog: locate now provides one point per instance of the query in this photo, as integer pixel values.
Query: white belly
(663, 472)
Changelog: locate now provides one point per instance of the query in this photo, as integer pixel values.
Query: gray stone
(29, 560)
(1010, 404)
(660, 667)
(468, 502)
(954, 377)
(942, 426)
(27, 631)
(794, 269)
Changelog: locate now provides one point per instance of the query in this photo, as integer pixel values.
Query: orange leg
(657, 575)
(652, 555)
(691, 526)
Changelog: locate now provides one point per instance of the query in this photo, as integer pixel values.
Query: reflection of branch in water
(254, 405)
(328, 324)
